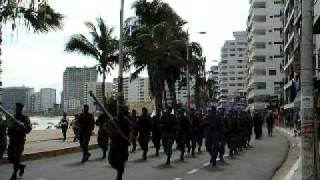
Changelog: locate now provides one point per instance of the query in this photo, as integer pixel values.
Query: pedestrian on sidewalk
(118, 154)
(86, 124)
(64, 124)
(75, 127)
(17, 136)
(3, 136)
(270, 121)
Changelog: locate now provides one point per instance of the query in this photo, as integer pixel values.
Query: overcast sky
(39, 60)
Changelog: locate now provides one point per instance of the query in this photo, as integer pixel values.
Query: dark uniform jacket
(144, 125)
(86, 123)
(19, 132)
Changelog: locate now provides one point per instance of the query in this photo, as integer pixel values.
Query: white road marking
(193, 171)
(206, 164)
(177, 179)
(293, 169)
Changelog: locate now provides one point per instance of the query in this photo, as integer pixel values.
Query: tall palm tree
(36, 15)
(101, 45)
(155, 45)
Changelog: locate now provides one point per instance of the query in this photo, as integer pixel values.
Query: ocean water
(43, 123)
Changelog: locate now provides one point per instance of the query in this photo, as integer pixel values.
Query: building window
(272, 72)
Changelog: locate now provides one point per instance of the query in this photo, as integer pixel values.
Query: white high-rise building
(48, 99)
(265, 47)
(214, 75)
(74, 80)
(233, 72)
(96, 88)
(134, 91)
(35, 102)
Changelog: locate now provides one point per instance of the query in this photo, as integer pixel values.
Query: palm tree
(36, 15)
(155, 44)
(101, 45)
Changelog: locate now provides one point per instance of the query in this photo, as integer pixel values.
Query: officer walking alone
(64, 124)
(86, 123)
(17, 136)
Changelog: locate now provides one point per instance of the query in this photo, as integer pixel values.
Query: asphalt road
(258, 163)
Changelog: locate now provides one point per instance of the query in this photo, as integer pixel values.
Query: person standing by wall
(64, 124)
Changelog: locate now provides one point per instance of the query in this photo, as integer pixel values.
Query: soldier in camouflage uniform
(156, 132)
(103, 137)
(144, 127)
(168, 133)
(134, 130)
(184, 131)
(17, 136)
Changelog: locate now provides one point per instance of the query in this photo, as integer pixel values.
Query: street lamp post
(120, 75)
(188, 69)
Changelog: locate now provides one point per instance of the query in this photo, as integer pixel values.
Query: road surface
(258, 163)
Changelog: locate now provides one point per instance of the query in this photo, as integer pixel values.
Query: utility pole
(188, 73)
(120, 98)
(307, 93)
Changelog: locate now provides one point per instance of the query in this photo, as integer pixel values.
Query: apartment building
(265, 52)
(74, 80)
(48, 99)
(12, 95)
(134, 91)
(232, 72)
(96, 88)
(292, 57)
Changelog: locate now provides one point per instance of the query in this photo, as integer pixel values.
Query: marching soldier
(169, 132)
(257, 122)
(103, 137)
(213, 134)
(17, 136)
(134, 131)
(3, 136)
(222, 142)
(156, 132)
(195, 130)
(184, 130)
(249, 128)
(86, 123)
(200, 136)
(144, 126)
(233, 129)
(118, 154)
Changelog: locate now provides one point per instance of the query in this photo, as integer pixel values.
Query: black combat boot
(144, 155)
(168, 160)
(21, 169)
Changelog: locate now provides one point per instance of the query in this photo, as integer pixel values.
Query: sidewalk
(291, 168)
(48, 143)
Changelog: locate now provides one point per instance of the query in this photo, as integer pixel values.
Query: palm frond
(80, 44)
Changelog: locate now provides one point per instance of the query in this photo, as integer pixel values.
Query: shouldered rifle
(110, 116)
(12, 121)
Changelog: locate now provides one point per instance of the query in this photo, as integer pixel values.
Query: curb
(47, 154)
(291, 155)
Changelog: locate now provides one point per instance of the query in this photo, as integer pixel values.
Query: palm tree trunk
(104, 98)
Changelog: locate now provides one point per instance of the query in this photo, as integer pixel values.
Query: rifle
(11, 120)
(109, 115)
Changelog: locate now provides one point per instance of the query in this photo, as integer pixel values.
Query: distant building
(12, 95)
(96, 88)
(35, 102)
(233, 71)
(265, 51)
(48, 99)
(74, 81)
(136, 91)
(214, 75)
